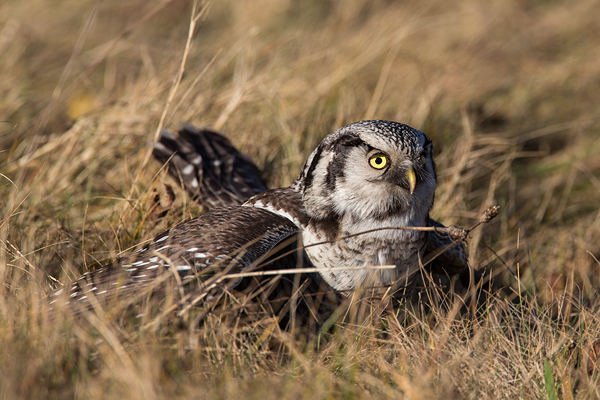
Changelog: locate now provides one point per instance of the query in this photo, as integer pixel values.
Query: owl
(344, 215)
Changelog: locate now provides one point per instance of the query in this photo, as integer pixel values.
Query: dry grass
(508, 91)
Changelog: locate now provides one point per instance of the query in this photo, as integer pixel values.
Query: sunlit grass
(508, 92)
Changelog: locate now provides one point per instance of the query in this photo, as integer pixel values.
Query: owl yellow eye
(423, 158)
(378, 161)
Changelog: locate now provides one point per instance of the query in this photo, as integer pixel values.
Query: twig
(454, 232)
(302, 271)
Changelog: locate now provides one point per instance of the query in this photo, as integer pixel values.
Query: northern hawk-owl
(361, 179)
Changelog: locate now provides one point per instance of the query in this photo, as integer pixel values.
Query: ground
(507, 91)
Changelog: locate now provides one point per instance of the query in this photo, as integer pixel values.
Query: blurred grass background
(508, 91)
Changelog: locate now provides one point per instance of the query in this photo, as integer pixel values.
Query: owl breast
(402, 248)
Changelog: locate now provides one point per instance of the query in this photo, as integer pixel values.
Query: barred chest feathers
(402, 248)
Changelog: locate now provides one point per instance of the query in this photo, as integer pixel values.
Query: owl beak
(412, 180)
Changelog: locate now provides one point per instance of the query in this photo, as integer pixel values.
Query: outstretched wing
(196, 255)
(209, 167)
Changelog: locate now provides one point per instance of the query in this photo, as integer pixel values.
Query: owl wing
(196, 255)
(208, 166)
(447, 255)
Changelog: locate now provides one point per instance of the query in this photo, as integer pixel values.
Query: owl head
(370, 170)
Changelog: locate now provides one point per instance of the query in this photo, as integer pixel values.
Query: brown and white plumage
(342, 192)
(200, 251)
(208, 166)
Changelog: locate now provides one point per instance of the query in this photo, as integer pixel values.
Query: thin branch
(302, 271)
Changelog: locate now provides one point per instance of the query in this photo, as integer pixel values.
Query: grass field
(508, 91)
